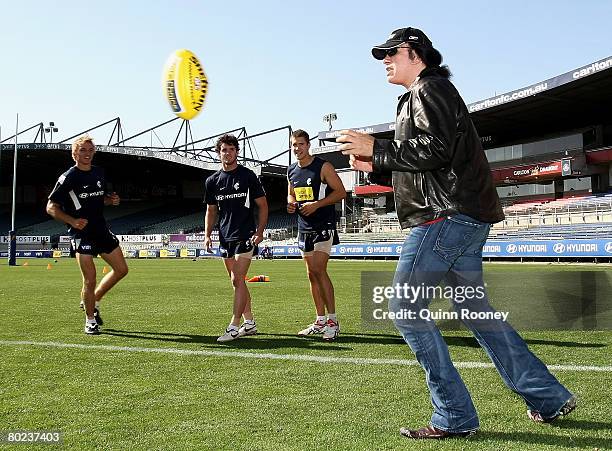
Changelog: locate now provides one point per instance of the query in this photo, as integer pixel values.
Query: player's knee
(122, 271)
(237, 280)
(315, 274)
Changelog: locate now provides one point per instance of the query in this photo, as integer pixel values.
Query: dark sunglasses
(380, 54)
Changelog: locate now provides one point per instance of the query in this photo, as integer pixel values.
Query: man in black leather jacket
(444, 192)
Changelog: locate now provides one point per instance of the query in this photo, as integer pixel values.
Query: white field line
(272, 356)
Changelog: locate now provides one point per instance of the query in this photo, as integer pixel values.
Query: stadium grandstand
(549, 146)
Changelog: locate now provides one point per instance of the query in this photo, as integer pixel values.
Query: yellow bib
(304, 194)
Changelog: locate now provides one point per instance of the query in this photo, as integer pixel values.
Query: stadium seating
(25, 216)
(135, 223)
(194, 222)
(183, 224)
(584, 217)
(552, 232)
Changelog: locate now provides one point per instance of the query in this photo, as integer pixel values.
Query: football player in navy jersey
(78, 200)
(314, 188)
(231, 194)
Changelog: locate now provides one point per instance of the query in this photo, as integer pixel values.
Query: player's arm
(209, 223)
(331, 178)
(262, 204)
(291, 201)
(55, 211)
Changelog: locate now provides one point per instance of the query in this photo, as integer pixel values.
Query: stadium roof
(198, 153)
(575, 100)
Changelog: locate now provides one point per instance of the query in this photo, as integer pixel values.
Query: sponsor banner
(566, 166)
(200, 237)
(64, 239)
(203, 253)
(197, 237)
(140, 238)
(168, 253)
(148, 253)
(279, 251)
(543, 248)
(4, 239)
(344, 250)
(546, 85)
(130, 253)
(370, 129)
(538, 171)
(188, 253)
(29, 254)
(324, 149)
(549, 248)
(492, 248)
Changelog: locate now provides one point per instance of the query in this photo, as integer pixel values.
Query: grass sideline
(112, 399)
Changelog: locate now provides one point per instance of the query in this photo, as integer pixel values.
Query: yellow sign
(304, 193)
(143, 253)
(184, 253)
(57, 254)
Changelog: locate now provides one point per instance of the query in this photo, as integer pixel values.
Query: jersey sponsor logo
(94, 194)
(304, 193)
(230, 196)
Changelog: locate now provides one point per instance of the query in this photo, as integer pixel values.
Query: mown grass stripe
(272, 356)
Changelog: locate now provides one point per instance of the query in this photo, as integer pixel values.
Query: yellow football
(185, 84)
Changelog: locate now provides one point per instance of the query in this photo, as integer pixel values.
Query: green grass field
(134, 398)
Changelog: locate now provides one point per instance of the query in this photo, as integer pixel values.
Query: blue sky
(271, 63)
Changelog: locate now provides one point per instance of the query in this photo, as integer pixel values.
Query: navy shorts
(94, 244)
(229, 249)
(319, 240)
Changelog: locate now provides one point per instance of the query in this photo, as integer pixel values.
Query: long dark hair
(432, 59)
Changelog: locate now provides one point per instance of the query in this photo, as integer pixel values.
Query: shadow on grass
(583, 424)
(471, 342)
(263, 341)
(561, 441)
(259, 341)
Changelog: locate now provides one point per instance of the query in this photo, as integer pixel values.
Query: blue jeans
(450, 251)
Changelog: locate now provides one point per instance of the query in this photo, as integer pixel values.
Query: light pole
(12, 249)
(50, 129)
(329, 118)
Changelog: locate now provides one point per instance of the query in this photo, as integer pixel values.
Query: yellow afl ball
(185, 84)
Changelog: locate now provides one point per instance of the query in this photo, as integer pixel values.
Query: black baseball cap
(399, 37)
